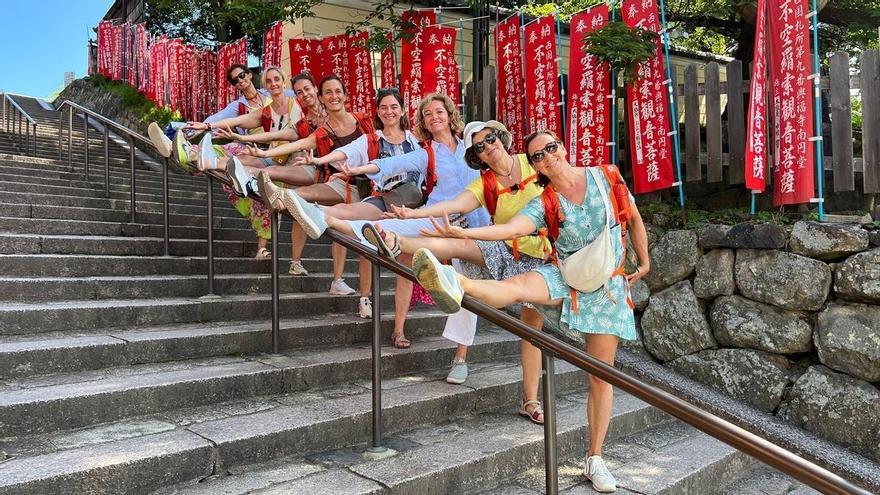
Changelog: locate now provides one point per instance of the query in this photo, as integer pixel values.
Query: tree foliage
(622, 48)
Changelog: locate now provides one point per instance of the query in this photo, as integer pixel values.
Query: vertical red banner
(272, 46)
(791, 90)
(650, 143)
(335, 56)
(130, 40)
(143, 59)
(174, 49)
(589, 85)
(541, 75)
(360, 75)
(158, 73)
(756, 140)
(116, 60)
(388, 67)
(105, 48)
(510, 101)
(305, 56)
(438, 68)
(411, 59)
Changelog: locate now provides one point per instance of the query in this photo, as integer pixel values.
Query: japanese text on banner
(650, 143)
(541, 75)
(588, 89)
(510, 102)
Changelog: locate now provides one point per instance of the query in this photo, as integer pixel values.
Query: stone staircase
(115, 377)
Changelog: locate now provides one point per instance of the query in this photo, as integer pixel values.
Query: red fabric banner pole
(542, 75)
(756, 142)
(650, 146)
(509, 79)
(791, 90)
(588, 89)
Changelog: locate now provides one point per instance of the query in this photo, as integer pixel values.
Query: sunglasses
(237, 79)
(489, 139)
(540, 154)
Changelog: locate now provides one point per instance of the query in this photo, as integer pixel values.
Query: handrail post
(551, 471)
(27, 138)
(86, 143)
(376, 450)
(276, 325)
(35, 140)
(165, 213)
(70, 137)
(210, 294)
(60, 134)
(132, 190)
(106, 161)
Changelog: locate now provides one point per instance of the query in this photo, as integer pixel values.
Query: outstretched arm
(464, 203)
(518, 226)
(306, 143)
(249, 120)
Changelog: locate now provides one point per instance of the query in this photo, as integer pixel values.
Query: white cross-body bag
(592, 266)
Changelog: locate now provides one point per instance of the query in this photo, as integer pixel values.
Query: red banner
(116, 56)
(411, 60)
(791, 91)
(589, 85)
(510, 101)
(389, 69)
(143, 59)
(174, 49)
(305, 56)
(361, 90)
(158, 73)
(541, 75)
(335, 55)
(756, 141)
(438, 68)
(272, 46)
(650, 143)
(105, 48)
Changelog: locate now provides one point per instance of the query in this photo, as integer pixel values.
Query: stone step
(220, 208)
(29, 290)
(59, 316)
(141, 246)
(73, 265)
(176, 187)
(73, 400)
(120, 170)
(764, 480)
(191, 445)
(43, 226)
(22, 356)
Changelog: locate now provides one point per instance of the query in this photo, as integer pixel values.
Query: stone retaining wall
(103, 102)
(784, 319)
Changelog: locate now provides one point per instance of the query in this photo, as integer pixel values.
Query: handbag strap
(593, 171)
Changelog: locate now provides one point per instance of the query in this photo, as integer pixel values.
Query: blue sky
(42, 39)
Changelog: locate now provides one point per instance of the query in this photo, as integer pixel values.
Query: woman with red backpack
(584, 212)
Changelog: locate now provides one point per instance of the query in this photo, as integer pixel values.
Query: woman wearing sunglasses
(392, 138)
(602, 315)
(251, 100)
(506, 184)
(439, 122)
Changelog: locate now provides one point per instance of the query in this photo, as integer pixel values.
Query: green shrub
(135, 101)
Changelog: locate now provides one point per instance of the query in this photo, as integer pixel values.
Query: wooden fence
(712, 125)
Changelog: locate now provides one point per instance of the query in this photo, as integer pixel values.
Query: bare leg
(298, 242)
(402, 294)
(602, 347)
(445, 249)
(527, 287)
(253, 163)
(293, 175)
(338, 251)
(365, 272)
(531, 357)
(261, 243)
(461, 352)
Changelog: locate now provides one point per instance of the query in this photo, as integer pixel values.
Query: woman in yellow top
(511, 182)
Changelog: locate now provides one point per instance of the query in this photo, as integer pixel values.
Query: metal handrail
(133, 136)
(9, 110)
(749, 443)
(782, 459)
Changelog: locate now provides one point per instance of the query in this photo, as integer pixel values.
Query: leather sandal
(537, 414)
(269, 192)
(263, 254)
(399, 341)
(380, 240)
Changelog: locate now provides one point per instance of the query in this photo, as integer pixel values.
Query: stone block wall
(784, 319)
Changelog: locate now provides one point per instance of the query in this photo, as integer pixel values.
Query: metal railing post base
(377, 453)
(551, 469)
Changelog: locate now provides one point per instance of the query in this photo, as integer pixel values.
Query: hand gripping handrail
(10, 109)
(133, 136)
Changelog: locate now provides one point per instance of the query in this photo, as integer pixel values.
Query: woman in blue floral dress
(603, 315)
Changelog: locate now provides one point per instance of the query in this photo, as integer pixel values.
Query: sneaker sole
(598, 489)
(207, 155)
(294, 207)
(159, 140)
(180, 154)
(455, 381)
(233, 169)
(427, 269)
(372, 236)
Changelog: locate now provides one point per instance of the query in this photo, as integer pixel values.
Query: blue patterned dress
(597, 312)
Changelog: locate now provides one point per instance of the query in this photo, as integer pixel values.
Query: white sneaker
(596, 471)
(365, 308)
(340, 288)
(296, 268)
(441, 281)
(239, 175)
(207, 154)
(159, 139)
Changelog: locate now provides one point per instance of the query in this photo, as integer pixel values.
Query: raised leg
(527, 287)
